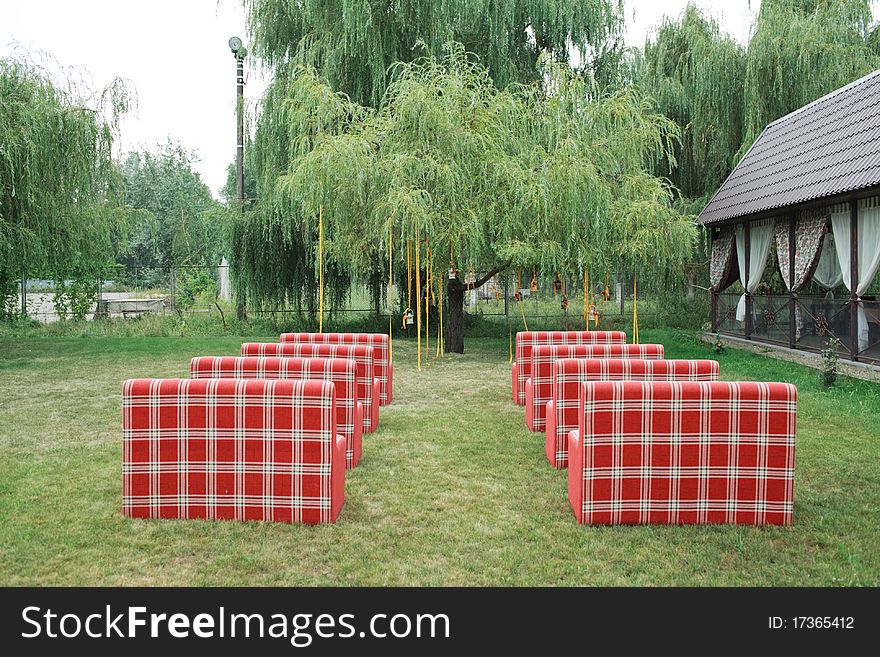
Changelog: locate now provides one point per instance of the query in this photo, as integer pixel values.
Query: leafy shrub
(830, 362)
(75, 297)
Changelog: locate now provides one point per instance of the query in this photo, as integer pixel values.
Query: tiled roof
(829, 147)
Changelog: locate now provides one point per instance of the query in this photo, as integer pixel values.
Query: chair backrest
(684, 452)
(360, 354)
(231, 449)
(525, 340)
(342, 372)
(543, 357)
(570, 373)
(378, 341)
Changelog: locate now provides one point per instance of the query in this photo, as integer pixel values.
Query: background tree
(696, 75)
(800, 51)
(722, 95)
(58, 187)
(549, 174)
(173, 217)
(352, 43)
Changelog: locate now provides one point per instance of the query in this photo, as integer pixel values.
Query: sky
(175, 56)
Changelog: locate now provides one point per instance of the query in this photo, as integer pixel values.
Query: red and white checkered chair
(539, 386)
(383, 368)
(342, 372)
(570, 373)
(231, 449)
(683, 452)
(368, 385)
(525, 340)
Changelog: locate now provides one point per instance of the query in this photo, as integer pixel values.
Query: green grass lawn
(452, 488)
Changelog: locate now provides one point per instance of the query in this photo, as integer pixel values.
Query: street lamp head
(235, 45)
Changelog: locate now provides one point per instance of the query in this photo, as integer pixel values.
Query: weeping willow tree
(454, 169)
(58, 186)
(696, 74)
(352, 43)
(722, 95)
(800, 51)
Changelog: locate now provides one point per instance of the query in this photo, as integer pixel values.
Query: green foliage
(75, 296)
(58, 188)
(193, 283)
(172, 217)
(722, 95)
(9, 304)
(513, 176)
(354, 43)
(800, 51)
(696, 75)
(830, 362)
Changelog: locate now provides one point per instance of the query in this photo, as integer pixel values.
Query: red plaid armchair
(231, 449)
(341, 372)
(383, 368)
(683, 453)
(525, 340)
(539, 387)
(570, 373)
(368, 386)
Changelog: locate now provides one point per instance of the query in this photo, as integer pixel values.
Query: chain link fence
(125, 292)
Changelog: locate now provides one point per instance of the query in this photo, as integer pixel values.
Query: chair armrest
(374, 412)
(514, 384)
(576, 474)
(550, 434)
(337, 477)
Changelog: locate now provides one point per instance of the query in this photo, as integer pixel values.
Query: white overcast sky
(174, 53)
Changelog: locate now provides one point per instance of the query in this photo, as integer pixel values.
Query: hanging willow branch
(552, 173)
(59, 190)
(355, 42)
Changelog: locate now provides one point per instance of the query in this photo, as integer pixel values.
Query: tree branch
(482, 281)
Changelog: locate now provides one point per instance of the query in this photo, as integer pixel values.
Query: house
(807, 192)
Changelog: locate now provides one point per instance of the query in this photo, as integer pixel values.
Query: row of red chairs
(649, 440)
(267, 435)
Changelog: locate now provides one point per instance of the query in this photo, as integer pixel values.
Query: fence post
(792, 297)
(173, 288)
(506, 295)
(747, 246)
(24, 293)
(98, 297)
(853, 279)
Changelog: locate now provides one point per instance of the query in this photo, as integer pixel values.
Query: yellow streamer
(320, 269)
(523, 313)
(428, 283)
(587, 299)
(418, 305)
(440, 327)
(390, 282)
(509, 343)
(635, 311)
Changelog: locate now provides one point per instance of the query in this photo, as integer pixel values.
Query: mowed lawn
(452, 488)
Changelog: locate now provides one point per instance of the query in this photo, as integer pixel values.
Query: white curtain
(827, 273)
(868, 249)
(760, 237)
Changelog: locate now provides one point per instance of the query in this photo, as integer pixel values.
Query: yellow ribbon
(635, 311)
(390, 283)
(320, 269)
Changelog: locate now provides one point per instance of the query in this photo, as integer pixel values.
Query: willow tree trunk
(453, 329)
(455, 289)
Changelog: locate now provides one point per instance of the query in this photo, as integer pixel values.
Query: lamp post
(239, 52)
